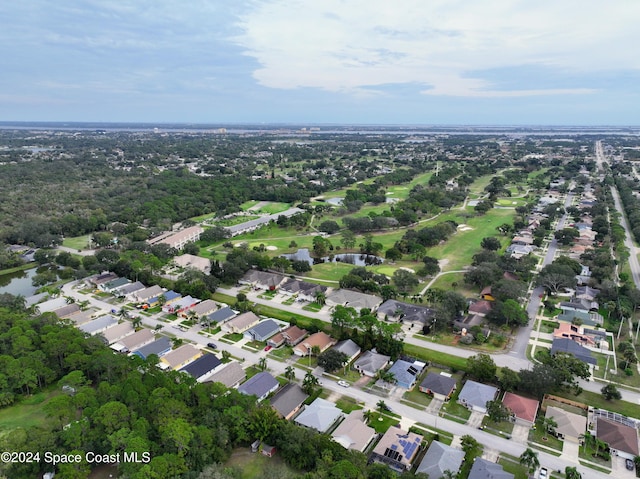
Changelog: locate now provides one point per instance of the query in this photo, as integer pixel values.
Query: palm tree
(367, 415)
(382, 406)
(529, 459)
(309, 383)
(548, 425)
(69, 299)
(136, 321)
(385, 376)
(289, 373)
(320, 298)
(572, 473)
(262, 364)
(226, 355)
(315, 351)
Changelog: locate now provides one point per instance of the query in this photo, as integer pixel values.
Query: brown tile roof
(617, 435)
(523, 408)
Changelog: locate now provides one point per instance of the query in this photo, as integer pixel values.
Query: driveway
(520, 433)
(434, 406)
(619, 470)
(570, 451)
(475, 420)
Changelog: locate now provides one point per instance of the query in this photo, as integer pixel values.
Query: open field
(26, 413)
(252, 465)
(77, 242)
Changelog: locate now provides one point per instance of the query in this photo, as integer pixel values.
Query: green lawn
(513, 466)
(347, 404)
(236, 220)
(273, 208)
(26, 413)
(538, 435)
(381, 422)
(448, 360)
(233, 337)
(253, 465)
(248, 204)
(77, 242)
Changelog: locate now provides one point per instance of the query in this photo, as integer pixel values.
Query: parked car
(344, 384)
(629, 464)
(543, 474)
(212, 345)
(268, 348)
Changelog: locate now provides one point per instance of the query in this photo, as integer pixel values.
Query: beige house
(353, 433)
(180, 357)
(179, 239)
(570, 425)
(240, 323)
(320, 339)
(194, 262)
(203, 308)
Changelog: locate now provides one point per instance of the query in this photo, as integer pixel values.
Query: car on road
(628, 463)
(212, 345)
(543, 474)
(268, 348)
(344, 384)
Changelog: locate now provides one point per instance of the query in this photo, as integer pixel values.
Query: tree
(320, 298)
(566, 236)
(549, 425)
(610, 392)
(332, 359)
(309, 383)
(529, 459)
(491, 243)
(482, 367)
(393, 254)
(509, 379)
(341, 318)
(289, 373)
(382, 406)
(497, 412)
(262, 364)
(470, 446)
(329, 227)
(348, 239)
(572, 473)
(510, 312)
(405, 280)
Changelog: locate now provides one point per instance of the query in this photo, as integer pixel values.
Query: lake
(18, 283)
(303, 254)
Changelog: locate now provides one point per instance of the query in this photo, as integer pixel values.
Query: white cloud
(348, 45)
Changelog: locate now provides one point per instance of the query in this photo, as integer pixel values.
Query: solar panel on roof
(413, 371)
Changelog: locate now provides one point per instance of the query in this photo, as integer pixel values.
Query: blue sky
(567, 62)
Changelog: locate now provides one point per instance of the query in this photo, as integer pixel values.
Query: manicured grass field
(272, 208)
(77, 242)
(248, 204)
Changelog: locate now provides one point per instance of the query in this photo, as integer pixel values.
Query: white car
(543, 473)
(344, 384)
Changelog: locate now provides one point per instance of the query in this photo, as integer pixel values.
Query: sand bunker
(272, 248)
(407, 269)
(464, 227)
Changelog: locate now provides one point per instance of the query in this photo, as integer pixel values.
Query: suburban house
(179, 239)
(590, 338)
(147, 293)
(51, 305)
(288, 400)
(189, 261)
(180, 357)
(570, 426)
(114, 285)
(260, 385)
(82, 317)
(353, 433)
(240, 323)
(222, 315)
(568, 346)
(523, 410)
(320, 339)
(622, 439)
(480, 307)
(440, 386)
(181, 305)
(101, 278)
(263, 330)
(475, 396)
(231, 375)
(319, 415)
(118, 332)
(483, 469)
(159, 347)
(517, 251)
(291, 336)
(406, 372)
(440, 458)
(262, 280)
(305, 291)
(202, 367)
(349, 348)
(486, 294)
(67, 311)
(129, 289)
(353, 299)
(203, 308)
(398, 311)
(98, 325)
(397, 449)
(134, 341)
(370, 362)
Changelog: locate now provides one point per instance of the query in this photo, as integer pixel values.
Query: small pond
(355, 259)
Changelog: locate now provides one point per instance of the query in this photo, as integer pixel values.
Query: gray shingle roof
(290, 397)
(259, 385)
(483, 469)
(438, 383)
(569, 346)
(319, 415)
(440, 458)
(477, 394)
